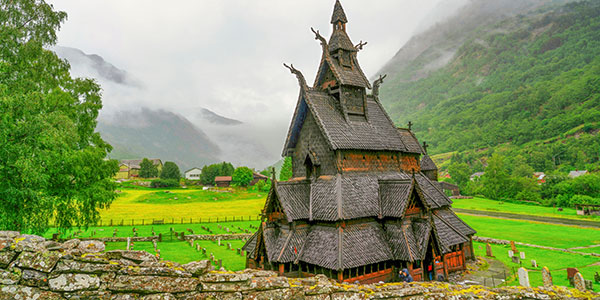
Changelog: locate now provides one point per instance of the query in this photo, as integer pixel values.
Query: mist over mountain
(192, 138)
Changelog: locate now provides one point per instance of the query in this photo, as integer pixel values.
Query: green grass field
(177, 204)
(552, 235)
(525, 209)
(181, 252)
(556, 261)
(589, 250)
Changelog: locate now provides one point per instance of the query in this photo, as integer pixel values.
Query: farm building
(223, 181)
(129, 168)
(577, 173)
(192, 174)
(256, 177)
(362, 202)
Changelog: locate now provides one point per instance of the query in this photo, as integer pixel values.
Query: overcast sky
(227, 55)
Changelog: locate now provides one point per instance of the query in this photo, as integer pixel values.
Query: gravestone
(128, 243)
(523, 277)
(511, 253)
(547, 277)
(579, 282)
(204, 251)
(513, 247)
(534, 263)
(219, 241)
(238, 251)
(191, 243)
(488, 250)
(155, 245)
(516, 260)
(589, 285)
(522, 255)
(597, 277)
(220, 264)
(228, 246)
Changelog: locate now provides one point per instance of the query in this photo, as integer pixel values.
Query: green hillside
(529, 85)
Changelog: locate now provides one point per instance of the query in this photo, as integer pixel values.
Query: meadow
(556, 261)
(139, 204)
(179, 205)
(544, 234)
(478, 203)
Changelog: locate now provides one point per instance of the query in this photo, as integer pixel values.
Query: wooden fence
(141, 222)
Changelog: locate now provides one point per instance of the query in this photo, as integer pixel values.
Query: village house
(577, 173)
(192, 174)
(540, 177)
(223, 181)
(363, 201)
(256, 177)
(476, 175)
(130, 168)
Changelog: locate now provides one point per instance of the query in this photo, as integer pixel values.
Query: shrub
(164, 183)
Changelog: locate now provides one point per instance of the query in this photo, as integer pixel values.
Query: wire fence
(180, 220)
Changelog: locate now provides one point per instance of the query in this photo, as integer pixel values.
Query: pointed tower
(357, 207)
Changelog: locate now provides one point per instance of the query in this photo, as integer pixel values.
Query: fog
(227, 56)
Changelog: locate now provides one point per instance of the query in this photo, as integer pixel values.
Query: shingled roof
(354, 196)
(340, 40)
(338, 13)
(427, 163)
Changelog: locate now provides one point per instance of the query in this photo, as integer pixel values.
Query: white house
(193, 174)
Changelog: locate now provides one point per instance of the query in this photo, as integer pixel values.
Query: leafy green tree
(148, 169)
(242, 176)
(209, 172)
(263, 186)
(495, 180)
(52, 167)
(170, 170)
(460, 173)
(286, 169)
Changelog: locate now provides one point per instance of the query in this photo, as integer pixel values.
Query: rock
(213, 295)
(125, 297)
(28, 242)
(74, 282)
(42, 261)
(91, 246)
(157, 284)
(10, 277)
(25, 292)
(85, 295)
(71, 244)
(34, 278)
(135, 256)
(6, 258)
(218, 276)
(160, 297)
(157, 270)
(272, 294)
(51, 245)
(198, 268)
(269, 283)
(73, 266)
(9, 234)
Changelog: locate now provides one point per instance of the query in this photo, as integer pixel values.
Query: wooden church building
(364, 200)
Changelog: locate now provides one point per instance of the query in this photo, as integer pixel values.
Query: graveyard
(148, 202)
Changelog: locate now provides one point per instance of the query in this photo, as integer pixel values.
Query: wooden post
(462, 250)
(281, 266)
(445, 266)
(340, 275)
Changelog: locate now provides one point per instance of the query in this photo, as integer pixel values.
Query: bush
(164, 183)
(263, 186)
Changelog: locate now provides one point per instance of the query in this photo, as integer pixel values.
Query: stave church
(364, 201)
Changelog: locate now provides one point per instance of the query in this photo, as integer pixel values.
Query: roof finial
(410, 124)
(338, 13)
(376, 85)
(425, 146)
(298, 74)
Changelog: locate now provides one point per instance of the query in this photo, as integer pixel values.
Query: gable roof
(427, 163)
(222, 178)
(375, 133)
(194, 168)
(135, 163)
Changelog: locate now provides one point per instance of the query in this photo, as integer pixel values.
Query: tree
(148, 169)
(460, 173)
(495, 180)
(242, 176)
(170, 170)
(207, 177)
(286, 169)
(52, 167)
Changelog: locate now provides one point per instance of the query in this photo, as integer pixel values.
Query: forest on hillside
(526, 87)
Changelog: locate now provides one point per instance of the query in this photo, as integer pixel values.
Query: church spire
(338, 15)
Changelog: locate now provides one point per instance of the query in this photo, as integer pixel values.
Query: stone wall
(34, 268)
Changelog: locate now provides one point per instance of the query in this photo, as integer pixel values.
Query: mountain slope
(158, 134)
(520, 81)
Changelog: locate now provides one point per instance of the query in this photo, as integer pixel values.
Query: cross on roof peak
(425, 146)
(410, 124)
